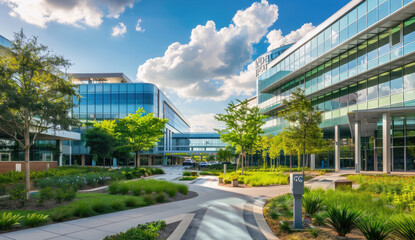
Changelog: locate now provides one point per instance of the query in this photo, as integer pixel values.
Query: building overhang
(369, 119)
(51, 134)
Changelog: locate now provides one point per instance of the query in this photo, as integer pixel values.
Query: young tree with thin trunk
(242, 127)
(140, 131)
(100, 139)
(35, 94)
(303, 120)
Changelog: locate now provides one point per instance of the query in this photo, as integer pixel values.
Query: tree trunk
(291, 162)
(149, 160)
(237, 163)
(103, 162)
(27, 160)
(303, 159)
(138, 159)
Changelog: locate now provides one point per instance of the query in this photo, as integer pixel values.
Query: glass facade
(197, 142)
(374, 71)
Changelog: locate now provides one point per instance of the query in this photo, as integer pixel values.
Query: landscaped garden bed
(364, 213)
(189, 176)
(65, 204)
(149, 231)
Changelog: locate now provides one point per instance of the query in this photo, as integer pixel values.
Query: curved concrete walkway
(217, 213)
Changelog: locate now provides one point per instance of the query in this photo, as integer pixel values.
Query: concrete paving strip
(181, 229)
(260, 220)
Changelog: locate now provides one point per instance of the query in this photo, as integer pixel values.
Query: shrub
(136, 191)
(374, 229)
(18, 192)
(286, 227)
(160, 197)
(146, 231)
(8, 220)
(188, 178)
(46, 194)
(83, 209)
(314, 232)
(274, 215)
(3, 190)
(131, 202)
(312, 203)
(123, 189)
(171, 191)
(35, 219)
(113, 188)
(343, 219)
(187, 173)
(59, 195)
(148, 189)
(118, 204)
(404, 227)
(61, 214)
(101, 207)
(158, 171)
(148, 199)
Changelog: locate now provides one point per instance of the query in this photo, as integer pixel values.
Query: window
(384, 43)
(409, 31)
(409, 77)
(372, 17)
(361, 92)
(343, 63)
(383, 10)
(384, 85)
(343, 22)
(343, 35)
(395, 34)
(396, 81)
(371, 4)
(361, 24)
(47, 157)
(361, 54)
(372, 49)
(352, 94)
(372, 88)
(352, 29)
(343, 99)
(395, 5)
(352, 15)
(5, 157)
(361, 9)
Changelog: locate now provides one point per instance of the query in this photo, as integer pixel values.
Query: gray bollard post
(297, 190)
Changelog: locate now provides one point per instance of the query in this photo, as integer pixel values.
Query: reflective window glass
(396, 36)
(352, 94)
(395, 5)
(396, 81)
(362, 9)
(371, 4)
(383, 10)
(372, 49)
(361, 54)
(352, 15)
(343, 35)
(384, 85)
(327, 33)
(335, 67)
(372, 17)
(372, 88)
(343, 100)
(352, 29)
(335, 40)
(335, 27)
(361, 92)
(343, 63)
(343, 22)
(352, 58)
(361, 24)
(384, 43)
(409, 76)
(409, 31)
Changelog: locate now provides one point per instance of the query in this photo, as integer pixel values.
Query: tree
(263, 146)
(243, 126)
(101, 139)
(275, 146)
(36, 94)
(304, 119)
(140, 131)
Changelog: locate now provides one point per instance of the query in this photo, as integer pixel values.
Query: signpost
(297, 190)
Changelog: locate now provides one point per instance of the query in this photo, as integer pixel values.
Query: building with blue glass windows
(107, 96)
(358, 68)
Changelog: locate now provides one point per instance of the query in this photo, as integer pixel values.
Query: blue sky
(212, 42)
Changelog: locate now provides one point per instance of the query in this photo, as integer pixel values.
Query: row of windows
(117, 88)
(378, 50)
(174, 120)
(358, 19)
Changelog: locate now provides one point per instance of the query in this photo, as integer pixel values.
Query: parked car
(189, 162)
(203, 164)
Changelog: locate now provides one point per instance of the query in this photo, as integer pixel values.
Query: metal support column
(386, 138)
(357, 147)
(336, 148)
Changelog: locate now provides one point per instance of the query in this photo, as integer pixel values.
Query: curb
(257, 209)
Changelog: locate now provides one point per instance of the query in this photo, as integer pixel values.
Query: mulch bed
(168, 230)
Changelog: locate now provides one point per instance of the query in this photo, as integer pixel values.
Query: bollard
(297, 190)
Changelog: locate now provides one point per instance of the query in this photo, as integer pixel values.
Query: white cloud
(204, 122)
(138, 27)
(79, 13)
(206, 67)
(275, 38)
(119, 30)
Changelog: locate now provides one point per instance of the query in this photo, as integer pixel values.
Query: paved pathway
(217, 213)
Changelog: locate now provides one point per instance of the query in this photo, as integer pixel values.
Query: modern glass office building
(358, 67)
(108, 96)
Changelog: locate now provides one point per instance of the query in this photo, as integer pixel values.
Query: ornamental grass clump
(83, 209)
(35, 219)
(404, 227)
(312, 203)
(342, 219)
(8, 220)
(374, 229)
